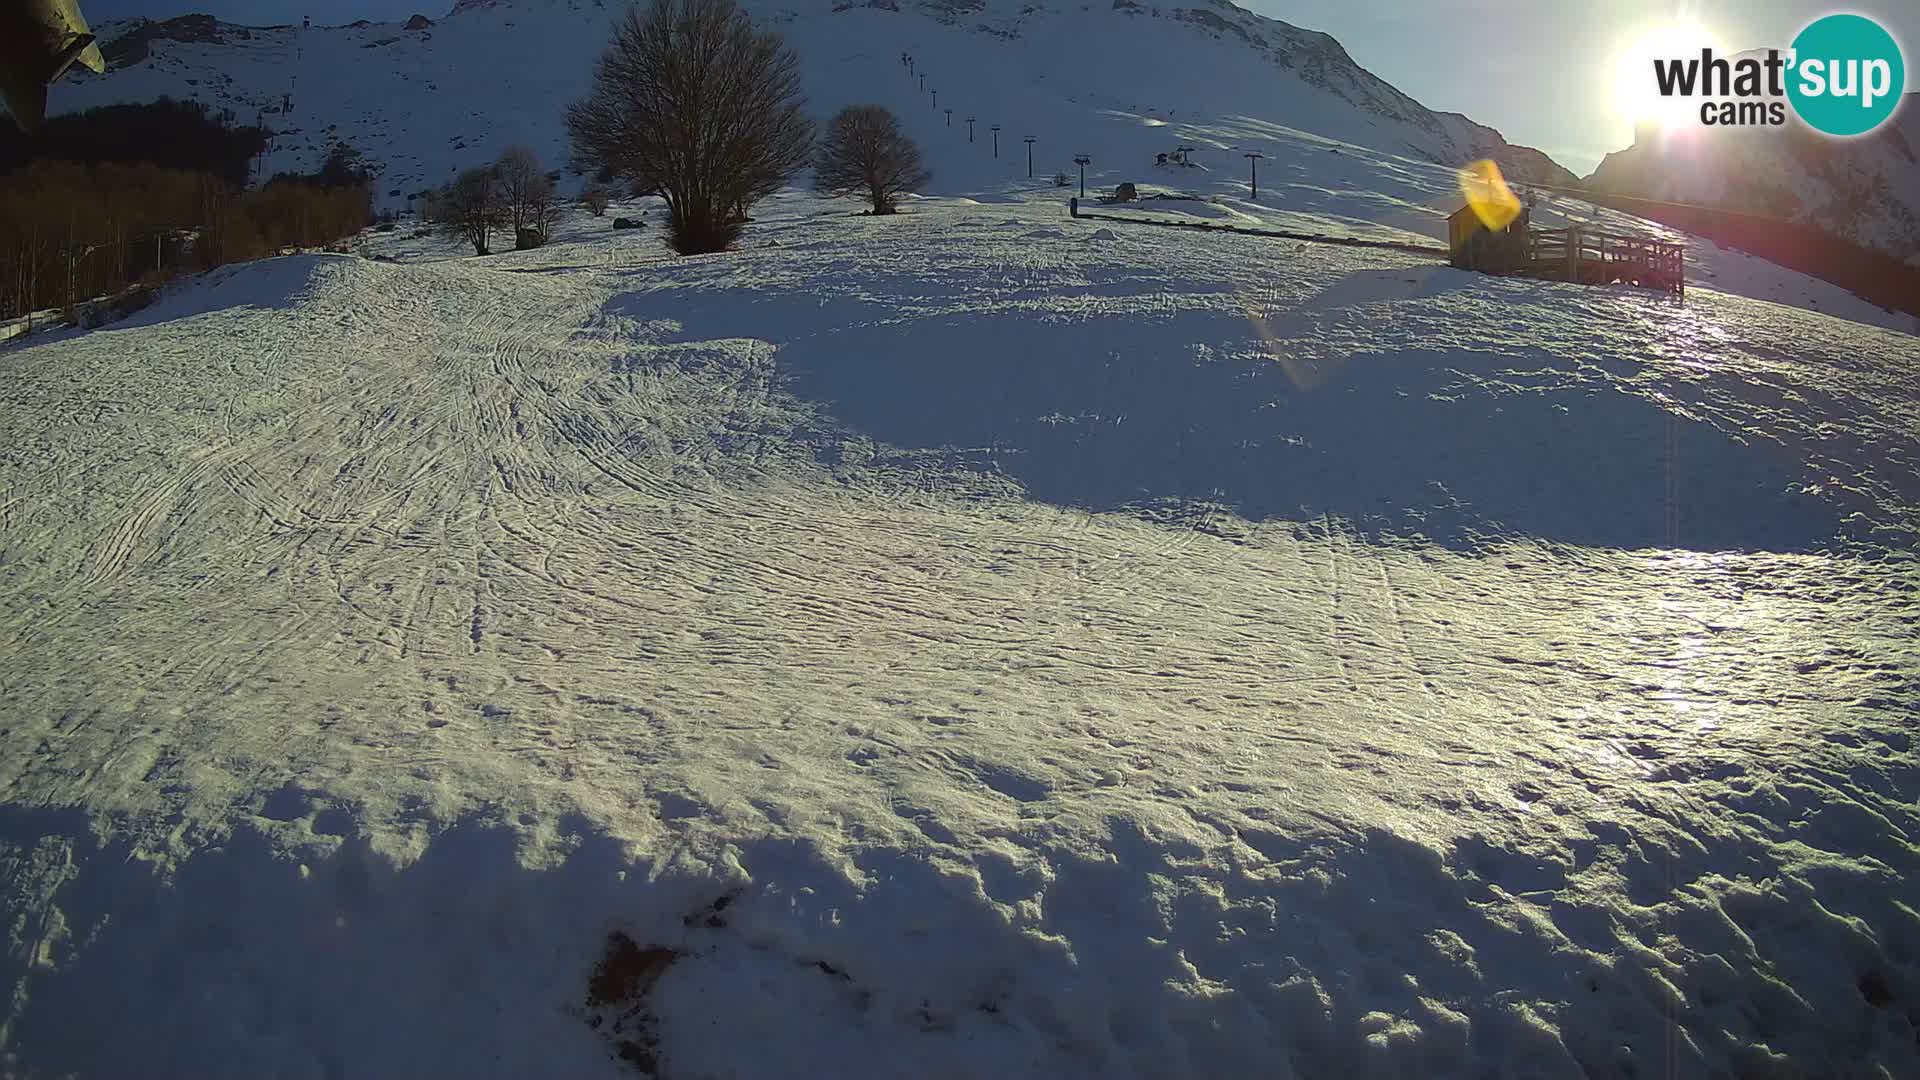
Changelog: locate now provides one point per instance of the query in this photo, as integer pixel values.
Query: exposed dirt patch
(618, 998)
(620, 990)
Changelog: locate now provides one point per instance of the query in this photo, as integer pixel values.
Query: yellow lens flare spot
(1493, 202)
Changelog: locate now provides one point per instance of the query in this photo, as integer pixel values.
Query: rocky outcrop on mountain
(131, 45)
(1865, 190)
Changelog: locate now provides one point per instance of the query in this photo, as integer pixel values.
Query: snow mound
(269, 284)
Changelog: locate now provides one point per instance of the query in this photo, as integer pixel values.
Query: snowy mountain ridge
(494, 72)
(1864, 190)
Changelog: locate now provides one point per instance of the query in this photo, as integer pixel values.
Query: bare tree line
(689, 103)
(512, 196)
(692, 104)
(71, 232)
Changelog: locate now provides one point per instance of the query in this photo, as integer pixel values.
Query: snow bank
(271, 284)
(1171, 947)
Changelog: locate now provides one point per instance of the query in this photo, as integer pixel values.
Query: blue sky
(1542, 71)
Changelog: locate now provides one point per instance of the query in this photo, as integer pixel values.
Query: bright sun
(1636, 97)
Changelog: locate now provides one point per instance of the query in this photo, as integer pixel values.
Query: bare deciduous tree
(596, 197)
(472, 209)
(526, 196)
(690, 103)
(433, 207)
(544, 212)
(865, 153)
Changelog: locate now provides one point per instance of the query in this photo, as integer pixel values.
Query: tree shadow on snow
(1191, 408)
(1146, 956)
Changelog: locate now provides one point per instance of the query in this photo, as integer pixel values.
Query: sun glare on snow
(1636, 96)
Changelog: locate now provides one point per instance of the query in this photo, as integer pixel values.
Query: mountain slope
(1865, 190)
(424, 101)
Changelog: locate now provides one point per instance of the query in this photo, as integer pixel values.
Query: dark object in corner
(39, 41)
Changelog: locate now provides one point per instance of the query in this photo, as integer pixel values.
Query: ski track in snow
(1081, 658)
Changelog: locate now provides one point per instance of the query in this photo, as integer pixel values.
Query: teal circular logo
(1847, 75)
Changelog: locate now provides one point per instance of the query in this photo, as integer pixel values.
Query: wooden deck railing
(1578, 253)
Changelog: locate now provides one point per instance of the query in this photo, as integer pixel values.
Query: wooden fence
(1592, 257)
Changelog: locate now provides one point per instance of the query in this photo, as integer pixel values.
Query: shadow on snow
(1274, 955)
(1191, 408)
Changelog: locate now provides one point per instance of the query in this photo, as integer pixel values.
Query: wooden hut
(1578, 253)
(1491, 251)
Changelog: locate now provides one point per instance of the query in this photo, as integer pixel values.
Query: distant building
(1476, 247)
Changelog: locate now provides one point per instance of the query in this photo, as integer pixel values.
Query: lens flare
(1636, 94)
(1487, 192)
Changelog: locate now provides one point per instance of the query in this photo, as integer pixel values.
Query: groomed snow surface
(972, 643)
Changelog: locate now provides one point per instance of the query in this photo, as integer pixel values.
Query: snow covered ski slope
(967, 644)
